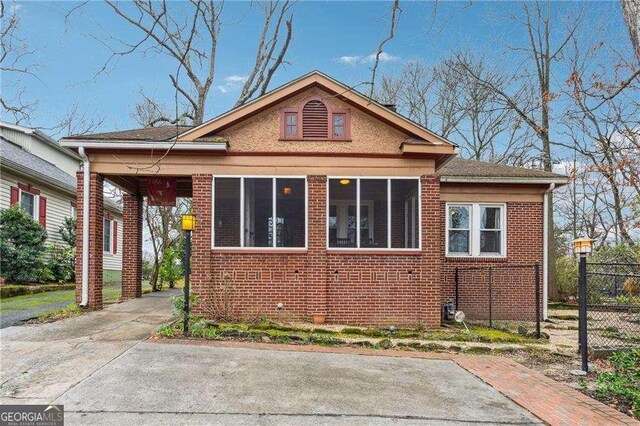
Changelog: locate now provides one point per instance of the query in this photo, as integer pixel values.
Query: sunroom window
(373, 213)
(260, 212)
(476, 229)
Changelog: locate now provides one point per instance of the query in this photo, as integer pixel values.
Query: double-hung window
(29, 204)
(373, 213)
(260, 212)
(476, 229)
(107, 239)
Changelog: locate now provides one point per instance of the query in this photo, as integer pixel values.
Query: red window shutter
(42, 212)
(15, 195)
(315, 121)
(115, 237)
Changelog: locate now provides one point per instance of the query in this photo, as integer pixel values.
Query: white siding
(58, 204)
(58, 208)
(114, 261)
(43, 150)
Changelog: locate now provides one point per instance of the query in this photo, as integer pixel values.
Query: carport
(129, 161)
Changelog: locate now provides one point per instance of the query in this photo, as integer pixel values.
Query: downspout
(545, 251)
(86, 169)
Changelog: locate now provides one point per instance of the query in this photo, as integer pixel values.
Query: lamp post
(582, 247)
(188, 224)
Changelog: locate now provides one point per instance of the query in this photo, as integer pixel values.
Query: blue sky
(326, 35)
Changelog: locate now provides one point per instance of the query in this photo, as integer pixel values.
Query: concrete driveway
(102, 370)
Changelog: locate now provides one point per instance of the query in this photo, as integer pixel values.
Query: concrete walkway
(41, 362)
(104, 371)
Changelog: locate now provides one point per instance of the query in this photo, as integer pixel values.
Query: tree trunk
(631, 13)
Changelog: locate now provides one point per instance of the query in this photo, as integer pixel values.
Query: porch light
(188, 222)
(344, 181)
(286, 190)
(582, 246)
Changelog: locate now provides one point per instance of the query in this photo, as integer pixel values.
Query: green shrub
(623, 383)
(22, 244)
(171, 268)
(567, 277)
(68, 231)
(621, 253)
(7, 291)
(177, 304)
(60, 263)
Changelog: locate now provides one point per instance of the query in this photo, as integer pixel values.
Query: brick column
(96, 223)
(430, 300)
(132, 246)
(201, 278)
(316, 271)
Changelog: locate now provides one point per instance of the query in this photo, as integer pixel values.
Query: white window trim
(36, 203)
(110, 251)
(474, 230)
(242, 213)
(388, 248)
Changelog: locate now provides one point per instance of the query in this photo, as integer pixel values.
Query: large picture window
(476, 229)
(373, 213)
(259, 212)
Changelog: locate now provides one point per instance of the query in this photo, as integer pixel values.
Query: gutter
(86, 169)
(545, 251)
(480, 179)
(191, 146)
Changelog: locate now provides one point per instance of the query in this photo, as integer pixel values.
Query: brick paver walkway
(551, 401)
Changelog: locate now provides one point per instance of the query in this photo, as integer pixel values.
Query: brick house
(314, 202)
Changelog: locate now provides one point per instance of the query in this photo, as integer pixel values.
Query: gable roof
(461, 170)
(316, 79)
(48, 140)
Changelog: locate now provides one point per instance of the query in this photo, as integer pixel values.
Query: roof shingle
(160, 133)
(459, 167)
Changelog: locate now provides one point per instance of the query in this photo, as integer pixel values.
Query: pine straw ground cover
(607, 382)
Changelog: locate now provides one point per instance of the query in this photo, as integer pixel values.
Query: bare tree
(15, 62)
(269, 54)
(531, 98)
(606, 134)
(188, 32)
(76, 122)
(455, 105)
(631, 13)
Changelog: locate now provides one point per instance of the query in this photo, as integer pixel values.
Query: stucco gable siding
(261, 133)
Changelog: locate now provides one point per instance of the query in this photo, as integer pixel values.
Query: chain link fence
(506, 297)
(613, 306)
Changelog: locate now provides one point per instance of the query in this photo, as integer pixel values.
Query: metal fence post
(456, 278)
(536, 268)
(490, 299)
(582, 323)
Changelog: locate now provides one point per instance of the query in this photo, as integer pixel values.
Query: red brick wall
(132, 247)
(381, 288)
(513, 290)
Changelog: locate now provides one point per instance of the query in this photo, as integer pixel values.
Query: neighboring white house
(40, 175)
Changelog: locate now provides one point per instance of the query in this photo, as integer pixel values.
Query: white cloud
(232, 82)
(236, 79)
(362, 59)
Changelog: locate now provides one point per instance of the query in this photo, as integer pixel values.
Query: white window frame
(274, 202)
(475, 216)
(357, 180)
(110, 251)
(36, 203)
